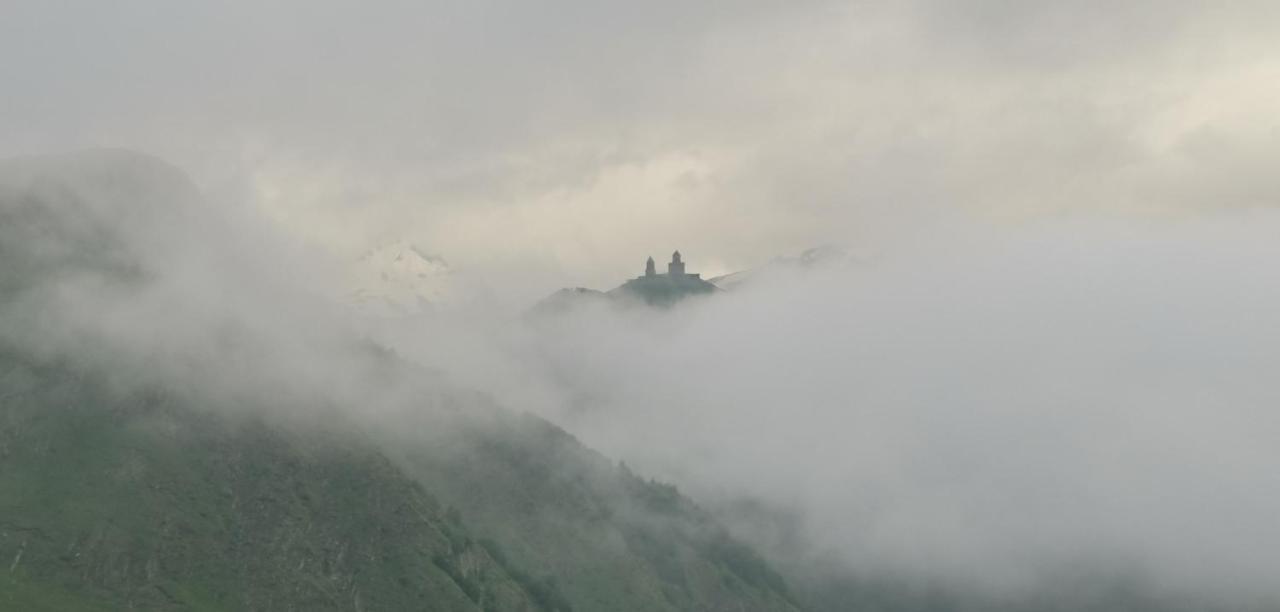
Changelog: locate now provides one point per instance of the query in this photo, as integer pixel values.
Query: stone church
(675, 269)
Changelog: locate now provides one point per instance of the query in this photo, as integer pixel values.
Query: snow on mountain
(399, 279)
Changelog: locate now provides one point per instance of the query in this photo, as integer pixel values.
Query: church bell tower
(675, 269)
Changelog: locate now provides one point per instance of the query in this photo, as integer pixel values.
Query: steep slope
(607, 538)
(180, 428)
(122, 499)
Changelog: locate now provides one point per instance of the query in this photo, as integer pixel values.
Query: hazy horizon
(561, 144)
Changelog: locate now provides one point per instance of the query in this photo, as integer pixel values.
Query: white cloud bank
(985, 408)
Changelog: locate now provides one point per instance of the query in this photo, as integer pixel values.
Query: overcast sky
(561, 142)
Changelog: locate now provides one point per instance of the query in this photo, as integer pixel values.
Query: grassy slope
(111, 500)
(606, 538)
(133, 501)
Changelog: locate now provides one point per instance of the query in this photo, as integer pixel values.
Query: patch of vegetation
(545, 591)
(601, 537)
(743, 561)
(118, 499)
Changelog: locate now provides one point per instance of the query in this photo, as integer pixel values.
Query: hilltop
(651, 289)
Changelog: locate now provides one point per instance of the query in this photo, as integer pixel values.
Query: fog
(114, 262)
(550, 145)
(983, 407)
(1053, 347)
(986, 407)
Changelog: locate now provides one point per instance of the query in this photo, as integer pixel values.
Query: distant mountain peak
(399, 278)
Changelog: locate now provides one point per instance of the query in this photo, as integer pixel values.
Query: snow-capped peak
(399, 279)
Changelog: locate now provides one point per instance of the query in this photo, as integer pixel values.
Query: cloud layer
(986, 409)
(568, 140)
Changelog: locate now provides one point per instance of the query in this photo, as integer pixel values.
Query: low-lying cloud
(988, 408)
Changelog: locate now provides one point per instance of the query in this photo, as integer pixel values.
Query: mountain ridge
(168, 453)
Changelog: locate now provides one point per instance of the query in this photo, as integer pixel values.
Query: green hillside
(112, 498)
(175, 433)
(116, 499)
(608, 538)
